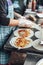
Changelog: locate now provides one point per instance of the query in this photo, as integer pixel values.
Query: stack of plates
(40, 15)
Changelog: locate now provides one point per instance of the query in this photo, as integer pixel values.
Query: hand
(24, 23)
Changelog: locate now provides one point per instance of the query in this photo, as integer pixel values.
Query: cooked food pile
(31, 17)
(21, 42)
(24, 33)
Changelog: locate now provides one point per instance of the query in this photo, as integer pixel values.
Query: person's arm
(3, 19)
(29, 4)
(13, 22)
(8, 22)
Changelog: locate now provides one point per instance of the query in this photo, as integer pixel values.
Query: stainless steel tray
(30, 50)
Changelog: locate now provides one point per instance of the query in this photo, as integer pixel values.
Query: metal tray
(30, 50)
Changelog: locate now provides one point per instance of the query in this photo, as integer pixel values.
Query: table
(33, 55)
(32, 59)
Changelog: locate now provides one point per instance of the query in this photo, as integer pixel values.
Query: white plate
(36, 26)
(41, 42)
(38, 34)
(12, 43)
(40, 15)
(36, 45)
(40, 62)
(31, 32)
(29, 11)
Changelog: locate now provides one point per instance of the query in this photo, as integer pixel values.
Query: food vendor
(7, 22)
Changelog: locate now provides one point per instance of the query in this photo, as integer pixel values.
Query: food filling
(24, 33)
(21, 42)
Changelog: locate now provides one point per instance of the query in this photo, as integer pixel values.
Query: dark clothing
(21, 6)
(40, 2)
(3, 13)
(5, 31)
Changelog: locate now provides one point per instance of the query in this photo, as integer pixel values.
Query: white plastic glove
(24, 23)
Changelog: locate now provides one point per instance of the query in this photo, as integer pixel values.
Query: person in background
(7, 23)
(39, 3)
(29, 4)
(20, 6)
(5, 30)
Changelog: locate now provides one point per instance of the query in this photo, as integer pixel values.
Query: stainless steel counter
(32, 59)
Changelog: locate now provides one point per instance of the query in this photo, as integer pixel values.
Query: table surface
(32, 59)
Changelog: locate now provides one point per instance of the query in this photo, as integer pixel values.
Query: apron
(5, 31)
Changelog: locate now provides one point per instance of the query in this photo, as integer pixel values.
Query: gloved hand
(24, 23)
